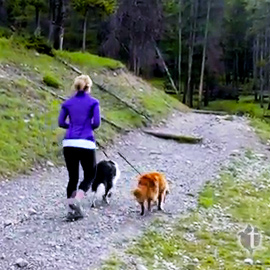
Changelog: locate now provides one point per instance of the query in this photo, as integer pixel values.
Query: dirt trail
(38, 233)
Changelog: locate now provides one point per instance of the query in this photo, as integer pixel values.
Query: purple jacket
(84, 116)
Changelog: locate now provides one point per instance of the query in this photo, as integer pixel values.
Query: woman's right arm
(62, 118)
(96, 116)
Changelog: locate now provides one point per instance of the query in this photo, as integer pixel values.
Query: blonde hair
(83, 83)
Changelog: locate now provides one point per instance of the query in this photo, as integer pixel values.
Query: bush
(5, 32)
(51, 81)
(40, 45)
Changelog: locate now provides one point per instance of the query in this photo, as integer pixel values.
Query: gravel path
(32, 226)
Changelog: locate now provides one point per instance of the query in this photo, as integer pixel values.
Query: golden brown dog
(152, 187)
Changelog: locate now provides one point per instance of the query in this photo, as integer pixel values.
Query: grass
(206, 198)
(113, 264)
(89, 60)
(207, 238)
(262, 128)
(246, 106)
(157, 82)
(30, 135)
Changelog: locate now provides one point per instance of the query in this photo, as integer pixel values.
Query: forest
(200, 49)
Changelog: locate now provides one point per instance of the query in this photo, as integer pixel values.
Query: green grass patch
(206, 198)
(262, 128)
(28, 131)
(125, 118)
(157, 82)
(89, 60)
(51, 81)
(113, 263)
(246, 105)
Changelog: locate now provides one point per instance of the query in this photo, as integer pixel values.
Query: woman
(83, 113)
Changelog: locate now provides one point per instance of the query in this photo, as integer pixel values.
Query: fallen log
(104, 89)
(210, 112)
(177, 137)
(76, 70)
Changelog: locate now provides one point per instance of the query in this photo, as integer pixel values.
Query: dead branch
(210, 112)
(104, 89)
(69, 65)
(176, 137)
(166, 69)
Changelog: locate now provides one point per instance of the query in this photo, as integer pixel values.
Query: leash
(102, 149)
(128, 163)
(106, 155)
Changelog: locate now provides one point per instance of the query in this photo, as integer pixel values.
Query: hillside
(29, 107)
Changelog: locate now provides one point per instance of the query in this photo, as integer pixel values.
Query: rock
(248, 261)
(32, 212)
(8, 223)
(50, 164)
(258, 262)
(141, 267)
(153, 152)
(21, 263)
(2, 257)
(196, 260)
(235, 153)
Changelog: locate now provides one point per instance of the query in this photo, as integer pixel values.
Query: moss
(51, 81)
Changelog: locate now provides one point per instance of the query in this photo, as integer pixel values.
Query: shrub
(40, 45)
(5, 32)
(51, 81)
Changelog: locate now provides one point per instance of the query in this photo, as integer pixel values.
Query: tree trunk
(166, 69)
(265, 79)
(267, 75)
(59, 25)
(84, 30)
(37, 31)
(193, 16)
(255, 68)
(187, 89)
(236, 69)
(204, 54)
(180, 49)
(52, 20)
(261, 71)
(61, 41)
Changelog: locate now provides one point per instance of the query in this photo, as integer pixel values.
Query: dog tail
(100, 191)
(138, 194)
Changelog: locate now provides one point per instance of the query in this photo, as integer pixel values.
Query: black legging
(73, 157)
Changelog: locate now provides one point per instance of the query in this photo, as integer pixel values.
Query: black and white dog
(107, 175)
